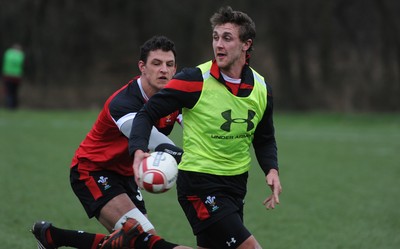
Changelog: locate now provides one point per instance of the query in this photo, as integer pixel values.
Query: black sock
(75, 238)
(149, 241)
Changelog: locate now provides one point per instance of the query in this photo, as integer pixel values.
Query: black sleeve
(264, 142)
(177, 94)
(173, 150)
(145, 119)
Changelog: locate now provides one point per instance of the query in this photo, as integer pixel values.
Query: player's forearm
(140, 132)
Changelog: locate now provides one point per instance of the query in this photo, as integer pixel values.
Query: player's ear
(247, 44)
(141, 66)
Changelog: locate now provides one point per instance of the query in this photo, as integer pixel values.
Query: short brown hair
(247, 28)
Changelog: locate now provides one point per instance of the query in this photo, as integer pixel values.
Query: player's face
(229, 50)
(158, 70)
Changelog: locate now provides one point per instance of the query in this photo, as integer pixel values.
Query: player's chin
(161, 82)
(221, 62)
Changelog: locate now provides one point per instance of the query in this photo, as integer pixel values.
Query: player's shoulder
(189, 74)
(262, 78)
(126, 100)
(187, 80)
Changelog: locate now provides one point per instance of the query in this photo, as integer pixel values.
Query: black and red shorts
(213, 206)
(95, 189)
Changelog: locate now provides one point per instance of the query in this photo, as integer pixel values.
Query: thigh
(114, 209)
(203, 211)
(228, 232)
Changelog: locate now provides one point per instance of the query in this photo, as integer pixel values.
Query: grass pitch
(340, 175)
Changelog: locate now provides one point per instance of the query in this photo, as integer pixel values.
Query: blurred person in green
(13, 65)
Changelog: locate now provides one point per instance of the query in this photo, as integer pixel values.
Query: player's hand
(139, 156)
(274, 183)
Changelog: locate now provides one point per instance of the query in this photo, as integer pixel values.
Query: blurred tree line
(339, 55)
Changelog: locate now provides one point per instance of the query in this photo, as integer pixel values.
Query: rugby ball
(158, 172)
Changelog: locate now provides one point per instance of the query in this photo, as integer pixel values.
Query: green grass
(340, 176)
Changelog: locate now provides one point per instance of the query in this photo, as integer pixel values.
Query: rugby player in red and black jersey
(101, 171)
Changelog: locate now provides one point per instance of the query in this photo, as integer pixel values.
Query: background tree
(340, 55)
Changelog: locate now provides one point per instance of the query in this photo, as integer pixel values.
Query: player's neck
(142, 89)
(234, 70)
(146, 88)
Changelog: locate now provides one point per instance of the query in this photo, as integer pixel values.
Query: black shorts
(228, 232)
(95, 189)
(213, 206)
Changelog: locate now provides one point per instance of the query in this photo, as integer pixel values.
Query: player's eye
(227, 38)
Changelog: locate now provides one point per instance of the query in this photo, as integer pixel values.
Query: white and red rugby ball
(158, 172)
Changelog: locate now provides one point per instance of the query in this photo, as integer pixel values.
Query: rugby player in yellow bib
(226, 107)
